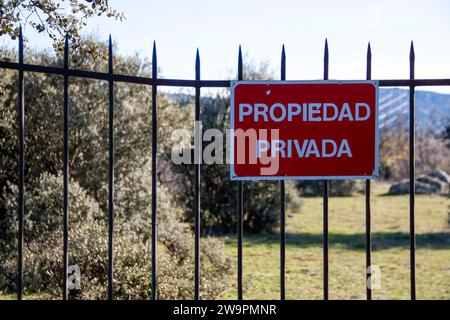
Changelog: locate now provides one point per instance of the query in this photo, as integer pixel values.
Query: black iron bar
(110, 174)
(240, 208)
(66, 170)
(283, 208)
(368, 226)
(21, 182)
(412, 190)
(154, 183)
(187, 83)
(197, 182)
(325, 200)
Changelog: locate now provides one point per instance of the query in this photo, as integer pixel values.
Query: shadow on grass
(380, 240)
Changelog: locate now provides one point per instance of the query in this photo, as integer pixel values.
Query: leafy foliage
(56, 19)
(338, 188)
(88, 248)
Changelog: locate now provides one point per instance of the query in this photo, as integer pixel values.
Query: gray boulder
(435, 182)
(440, 175)
(440, 186)
(421, 188)
(401, 187)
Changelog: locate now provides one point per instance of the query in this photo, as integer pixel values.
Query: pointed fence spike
(154, 49)
(283, 63)
(154, 61)
(369, 63)
(110, 55)
(412, 58)
(240, 54)
(20, 45)
(197, 65)
(66, 51)
(240, 67)
(325, 60)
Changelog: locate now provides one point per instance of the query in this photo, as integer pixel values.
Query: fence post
(283, 208)
(66, 168)
(325, 199)
(367, 193)
(197, 178)
(154, 168)
(412, 190)
(110, 172)
(21, 206)
(240, 208)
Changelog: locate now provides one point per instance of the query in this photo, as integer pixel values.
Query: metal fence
(154, 82)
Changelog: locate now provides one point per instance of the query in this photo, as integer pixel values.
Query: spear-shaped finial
(154, 61)
(283, 63)
(197, 65)
(20, 45)
(412, 58)
(66, 51)
(369, 63)
(240, 66)
(411, 51)
(325, 60)
(110, 55)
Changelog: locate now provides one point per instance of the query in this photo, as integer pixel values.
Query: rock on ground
(434, 182)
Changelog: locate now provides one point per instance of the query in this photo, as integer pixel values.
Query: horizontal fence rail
(183, 82)
(197, 83)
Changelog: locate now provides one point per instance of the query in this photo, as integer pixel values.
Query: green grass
(390, 237)
(42, 296)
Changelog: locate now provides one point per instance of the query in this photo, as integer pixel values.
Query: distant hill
(432, 109)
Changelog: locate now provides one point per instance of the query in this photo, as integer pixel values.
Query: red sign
(283, 130)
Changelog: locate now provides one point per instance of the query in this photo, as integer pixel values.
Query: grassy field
(390, 237)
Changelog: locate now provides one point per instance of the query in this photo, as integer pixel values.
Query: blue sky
(261, 27)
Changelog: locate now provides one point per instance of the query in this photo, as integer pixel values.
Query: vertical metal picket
(283, 208)
(240, 207)
(66, 169)
(21, 182)
(197, 177)
(325, 199)
(412, 190)
(154, 181)
(367, 193)
(110, 172)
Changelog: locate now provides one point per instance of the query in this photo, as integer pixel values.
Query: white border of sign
(235, 83)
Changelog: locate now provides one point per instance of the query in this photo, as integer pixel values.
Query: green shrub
(339, 188)
(43, 268)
